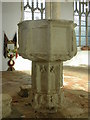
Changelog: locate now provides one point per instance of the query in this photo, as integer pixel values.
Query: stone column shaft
(46, 75)
(46, 85)
(52, 10)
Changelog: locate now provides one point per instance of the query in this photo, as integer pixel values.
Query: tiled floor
(74, 102)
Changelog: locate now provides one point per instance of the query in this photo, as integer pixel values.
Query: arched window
(34, 9)
(82, 19)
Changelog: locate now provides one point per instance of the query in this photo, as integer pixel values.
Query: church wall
(11, 15)
(66, 9)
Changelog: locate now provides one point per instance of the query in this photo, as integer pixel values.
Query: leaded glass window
(34, 9)
(82, 19)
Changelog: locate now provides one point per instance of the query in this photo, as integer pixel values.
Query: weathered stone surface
(28, 87)
(72, 98)
(46, 85)
(48, 40)
(0, 106)
(46, 76)
(6, 105)
(47, 43)
(46, 102)
(24, 90)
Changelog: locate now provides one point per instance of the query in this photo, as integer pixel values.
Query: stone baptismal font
(47, 43)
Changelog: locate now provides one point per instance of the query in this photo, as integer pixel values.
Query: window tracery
(82, 19)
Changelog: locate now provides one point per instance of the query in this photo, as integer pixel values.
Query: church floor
(74, 102)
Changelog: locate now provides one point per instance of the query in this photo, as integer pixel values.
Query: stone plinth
(47, 43)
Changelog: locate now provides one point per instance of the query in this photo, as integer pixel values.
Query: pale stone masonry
(47, 43)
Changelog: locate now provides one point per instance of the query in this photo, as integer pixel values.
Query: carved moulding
(46, 84)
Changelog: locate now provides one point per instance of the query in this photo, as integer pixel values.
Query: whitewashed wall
(66, 9)
(11, 15)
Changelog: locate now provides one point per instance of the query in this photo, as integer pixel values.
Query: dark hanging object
(15, 40)
(5, 45)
